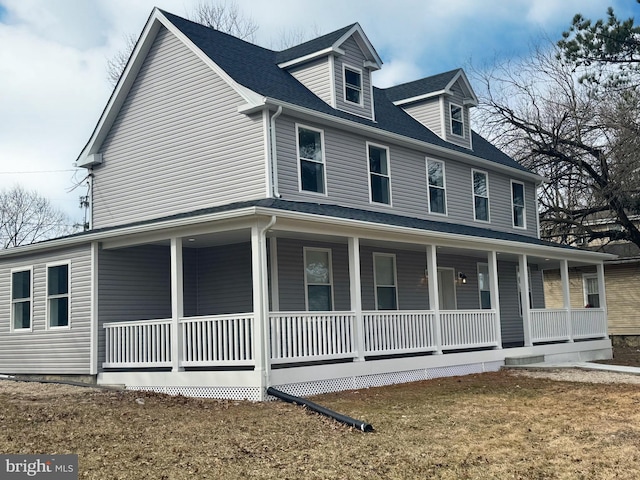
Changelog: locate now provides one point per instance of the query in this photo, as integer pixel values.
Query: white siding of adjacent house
(348, 185)
(48, 351)
(316, 76)
(178, 143)
(353, 58)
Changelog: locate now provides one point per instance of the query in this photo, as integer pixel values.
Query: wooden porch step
(523, 360)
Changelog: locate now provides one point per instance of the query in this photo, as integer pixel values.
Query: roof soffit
(156, 21)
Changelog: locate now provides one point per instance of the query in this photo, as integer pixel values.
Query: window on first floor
(352, 85)
(385, 280)
(58, 295)
(484, 287)
(591, 291)
(311, 160)
(379, 176)
(21, 300)
(318, 279)
(480, 195)
(520, 290)
(437, 197)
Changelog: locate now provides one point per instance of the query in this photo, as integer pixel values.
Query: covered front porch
(231, 309)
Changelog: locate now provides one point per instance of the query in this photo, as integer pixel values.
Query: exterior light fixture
(462, 278)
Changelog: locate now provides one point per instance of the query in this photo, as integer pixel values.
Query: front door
(446, 289)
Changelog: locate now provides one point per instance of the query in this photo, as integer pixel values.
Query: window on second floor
(517, 204)
(384, 273)
(318, 279)
(311, 162)
(21, 301)
(457, 120)
(58, 295)
(437, 197)
(379, 176)
(480, 195)
(352, 85)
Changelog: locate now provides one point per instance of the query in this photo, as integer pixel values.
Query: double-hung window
(484, 287)
(457, 120)
(318, 279)
(480, 196)
(352, 85)
(21, 299)
(385, 281)
(591, 291)
(58, 295)
(311, 159)
(436, 185)
(517, 204)
(379, 180)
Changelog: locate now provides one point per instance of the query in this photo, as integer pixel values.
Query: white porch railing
(217, 340)
(468, 329)
(143, 343)
(553, 325)
(391, 332)
(308, 336)
(549, 325)
(588, 323)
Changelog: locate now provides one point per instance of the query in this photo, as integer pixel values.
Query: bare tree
(584, 139)
(225, 17)
(26, 217)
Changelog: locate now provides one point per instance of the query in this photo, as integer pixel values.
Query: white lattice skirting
(307, 389)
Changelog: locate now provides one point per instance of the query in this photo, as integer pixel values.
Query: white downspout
(265, 302)
(274, 152)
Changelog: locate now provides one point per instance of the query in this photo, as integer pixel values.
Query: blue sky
(53, 83)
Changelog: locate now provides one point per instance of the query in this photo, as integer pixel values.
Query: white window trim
(369, 173)
(344, 84)
(306, 284)
(473, 195)
(524, 205)
(444, 182)
(451, 120)
(68, 294)
(395, 278)
(11, 302)
(324, 162)
(478, 266)
(585, 296)
(530, 296)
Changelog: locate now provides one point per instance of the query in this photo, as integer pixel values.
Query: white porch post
(355, 292)
(177, 305)
(566, 296)
(275, 290)
(492, 260)
(524, 298)
(260, 305)
(601, 287)
(434, 301)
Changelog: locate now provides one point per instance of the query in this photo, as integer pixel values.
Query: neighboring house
(264, 218)
(620, 275)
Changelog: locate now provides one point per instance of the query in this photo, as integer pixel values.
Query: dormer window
(457, 121)
(352, 85)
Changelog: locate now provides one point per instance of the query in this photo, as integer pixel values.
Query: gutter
(273, 153)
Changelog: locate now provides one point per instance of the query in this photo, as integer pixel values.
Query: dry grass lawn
(494, 425)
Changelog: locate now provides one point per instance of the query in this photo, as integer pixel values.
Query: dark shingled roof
(423, 86)
(312, 46)
(257, 69)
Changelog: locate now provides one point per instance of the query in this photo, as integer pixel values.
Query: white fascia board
(446, 239)
(364, 42)
(312, 56)
(420, 97)
(109, 114)
(382, 134)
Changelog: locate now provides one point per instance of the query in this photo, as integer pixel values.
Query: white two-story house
(263, 218)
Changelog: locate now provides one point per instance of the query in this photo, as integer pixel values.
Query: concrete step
(523, 360)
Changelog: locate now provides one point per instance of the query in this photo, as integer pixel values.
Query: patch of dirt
(624, 355)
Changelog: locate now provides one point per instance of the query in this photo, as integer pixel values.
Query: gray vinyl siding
(53, 351)
(291, 274)
(353, 58)
(457, 98)
(348, 184)
(510, 319)
(178, 143)
(428, 113)
(316, 76)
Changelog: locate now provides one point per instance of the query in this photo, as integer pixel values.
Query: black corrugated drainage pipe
(352, 422)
